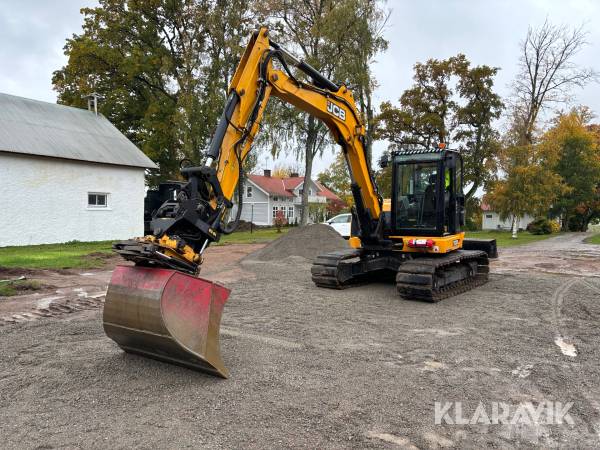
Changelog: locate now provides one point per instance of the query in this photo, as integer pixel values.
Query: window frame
(96, 205)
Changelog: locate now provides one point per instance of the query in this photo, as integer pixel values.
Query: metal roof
(33, 127)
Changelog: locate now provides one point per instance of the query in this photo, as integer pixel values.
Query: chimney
(294, 175)
(267, 172)
(93, 102)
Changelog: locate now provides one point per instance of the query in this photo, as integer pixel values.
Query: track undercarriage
(424, 277)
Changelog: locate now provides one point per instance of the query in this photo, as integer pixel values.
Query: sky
(33, 33)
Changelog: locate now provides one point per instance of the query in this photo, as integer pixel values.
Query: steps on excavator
(167, 315)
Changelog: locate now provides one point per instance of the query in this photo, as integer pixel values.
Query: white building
(265, 196)
(67, 174)
(491, 220)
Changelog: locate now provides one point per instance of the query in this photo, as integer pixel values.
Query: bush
(540, 226)
(576, 223)
(280, 220)
(555, 226)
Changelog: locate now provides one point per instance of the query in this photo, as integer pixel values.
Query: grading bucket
(166, 315)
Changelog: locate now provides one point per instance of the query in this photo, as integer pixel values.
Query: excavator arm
(161, 308)
(184, 227)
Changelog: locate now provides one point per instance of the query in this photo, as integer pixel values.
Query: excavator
(161, 308)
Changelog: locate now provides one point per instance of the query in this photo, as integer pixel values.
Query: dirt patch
(66, 291)
(10, 272)
(308, 242)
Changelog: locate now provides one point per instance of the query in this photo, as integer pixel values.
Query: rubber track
(325, 269)
(414, 279)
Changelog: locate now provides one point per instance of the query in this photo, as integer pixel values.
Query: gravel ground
(320, 369)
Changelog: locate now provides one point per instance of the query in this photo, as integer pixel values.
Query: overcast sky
(33, 33)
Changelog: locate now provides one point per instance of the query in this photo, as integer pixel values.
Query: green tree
(450, 102)
(578, 164)
(337, 37)
(162, 67)
(336, 176)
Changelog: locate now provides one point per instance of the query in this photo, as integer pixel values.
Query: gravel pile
(308, 242)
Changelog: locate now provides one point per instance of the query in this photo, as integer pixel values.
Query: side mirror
(384, 161)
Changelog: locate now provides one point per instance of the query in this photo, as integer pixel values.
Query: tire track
(56, 308)
(569, 349)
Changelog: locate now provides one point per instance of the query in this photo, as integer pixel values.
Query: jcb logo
(336, 110)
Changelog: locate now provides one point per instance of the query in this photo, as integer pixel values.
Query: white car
(341, 223)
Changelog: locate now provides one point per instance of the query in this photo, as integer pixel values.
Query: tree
(547, 75)
(286, 170)
(530, 185)
(339, 38)
(578, 163)
(432, 111)
(162, 66)
(337, 178)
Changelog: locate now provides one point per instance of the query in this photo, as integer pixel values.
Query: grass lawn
(257, 236)
(504, 238)
(79, 255)
(595, 239)
(10, 288)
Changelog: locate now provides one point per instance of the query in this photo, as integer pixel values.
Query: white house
(67, 174)
(491, 220)
(265, 195)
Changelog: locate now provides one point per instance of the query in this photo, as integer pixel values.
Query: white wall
(260, 214)
(491, 221)
(45, 200)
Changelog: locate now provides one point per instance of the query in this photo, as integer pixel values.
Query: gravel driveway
(328, 369)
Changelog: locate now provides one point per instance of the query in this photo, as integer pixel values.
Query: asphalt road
(324, 369)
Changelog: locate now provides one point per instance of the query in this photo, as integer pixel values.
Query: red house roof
(284, 187)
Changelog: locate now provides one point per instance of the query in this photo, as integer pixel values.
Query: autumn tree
(340, 39)
(547, 75)
(530, 185)
(578, 163)
(162, 67)
(450, 102)
(285, 170)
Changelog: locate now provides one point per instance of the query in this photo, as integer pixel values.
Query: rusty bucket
(166, 315)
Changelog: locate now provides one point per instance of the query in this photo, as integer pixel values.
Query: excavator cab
(427, 195)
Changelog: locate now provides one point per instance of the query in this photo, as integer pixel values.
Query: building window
(97, 200)
(488, 216)
(248, 191)
(275, 199)
(309, 191)
(290, 212)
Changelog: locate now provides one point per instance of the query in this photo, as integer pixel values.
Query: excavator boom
(160, 307)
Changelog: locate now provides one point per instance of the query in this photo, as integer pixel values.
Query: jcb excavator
(161, 308)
